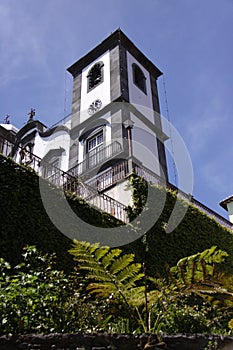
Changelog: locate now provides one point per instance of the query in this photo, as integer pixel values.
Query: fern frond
(120, 263)
(129, 272)
(108, 271)
(97, 275)
(101, 290)
(197, 267)
(101, 252)
(108, 258)
(83, 247)
(131, 283)
(136, 296)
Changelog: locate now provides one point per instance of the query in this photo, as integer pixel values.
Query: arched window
(94, 149)
(95, 76)
(139, 78)
(95, 141)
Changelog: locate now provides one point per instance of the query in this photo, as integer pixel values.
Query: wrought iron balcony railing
(120, 171)
(61, 179)
(95, 158)
(91, 192)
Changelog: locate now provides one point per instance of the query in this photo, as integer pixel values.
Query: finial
(7, 119)
(31, 114)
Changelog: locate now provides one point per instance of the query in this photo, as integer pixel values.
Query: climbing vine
(139, 189)
(25, 222)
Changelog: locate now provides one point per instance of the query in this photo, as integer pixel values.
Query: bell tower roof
(117, 38)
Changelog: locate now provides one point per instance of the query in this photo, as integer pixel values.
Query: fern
(197, 267)
(196, 274)
(117, 278)
(109, 273)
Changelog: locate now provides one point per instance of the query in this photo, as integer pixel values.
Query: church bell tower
(115, 120)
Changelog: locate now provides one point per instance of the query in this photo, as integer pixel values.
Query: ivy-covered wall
(195, 233)
(24, 222)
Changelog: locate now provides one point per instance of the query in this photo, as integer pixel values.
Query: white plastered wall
(144, 145)
(59, 139)
(10, 127)
(108, 135)
(108, 129)
(101, 91)
(230, 211)
(121, 193)
(136, 96)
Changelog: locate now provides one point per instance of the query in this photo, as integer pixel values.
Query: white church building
(114, 127)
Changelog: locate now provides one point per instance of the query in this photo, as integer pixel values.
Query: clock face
(94, 106)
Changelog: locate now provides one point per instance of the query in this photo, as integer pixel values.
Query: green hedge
(24, 222)
(195, 233)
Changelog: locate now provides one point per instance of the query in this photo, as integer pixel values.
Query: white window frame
(97, 142)
(94, 157)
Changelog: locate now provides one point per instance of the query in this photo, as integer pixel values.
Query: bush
(35, 297)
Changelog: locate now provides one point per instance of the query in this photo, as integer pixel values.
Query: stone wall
(115, 342)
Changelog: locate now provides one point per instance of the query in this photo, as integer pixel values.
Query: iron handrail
(100, 156)
(64, 180)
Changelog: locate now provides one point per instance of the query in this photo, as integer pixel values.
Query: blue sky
(190, 41)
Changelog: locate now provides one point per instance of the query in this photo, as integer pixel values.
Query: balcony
(99, 156)
(119, 172)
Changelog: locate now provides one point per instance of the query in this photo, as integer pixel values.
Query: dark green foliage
(35, 297)
(111, 272)
(198, 275)
(24, 220)
(139, 195)
(192, 287)
(195, 297)
(195, 233)
(112, 276)
(188, 315)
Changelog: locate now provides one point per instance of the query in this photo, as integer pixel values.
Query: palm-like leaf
(108, 271)
(196, 274)
(197, 267)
